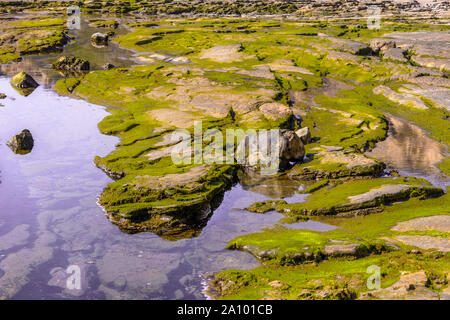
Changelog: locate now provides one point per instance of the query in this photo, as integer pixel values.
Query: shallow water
(409, 150)
(38, 66)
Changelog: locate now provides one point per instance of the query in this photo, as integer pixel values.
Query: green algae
(337, 272)
(335, 198)
(22, 37)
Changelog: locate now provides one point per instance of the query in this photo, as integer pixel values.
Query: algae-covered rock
(21, 143)
(2, 96)
(23, 80)
(360, 197)
(71, 64)
(265, 206)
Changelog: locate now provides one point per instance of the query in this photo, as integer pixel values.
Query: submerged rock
(99, 39)
(71, 64)
(21, 143)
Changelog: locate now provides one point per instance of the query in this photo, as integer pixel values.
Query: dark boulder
(21, 143)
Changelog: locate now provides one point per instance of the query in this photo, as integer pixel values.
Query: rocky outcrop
(406, 99)
(75, 64)
(22, 143)
(307, 254)
(395, 54)
(365, 203)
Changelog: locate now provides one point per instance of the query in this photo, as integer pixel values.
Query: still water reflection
(409, 150)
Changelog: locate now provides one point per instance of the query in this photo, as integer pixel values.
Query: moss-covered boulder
(23, 80)
(24, 83)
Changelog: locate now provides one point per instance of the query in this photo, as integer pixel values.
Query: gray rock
(341, 249)
(378, 45)
(21, 143)
(395, 54)
(304, 134)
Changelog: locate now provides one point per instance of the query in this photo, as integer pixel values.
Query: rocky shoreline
(327, 86)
